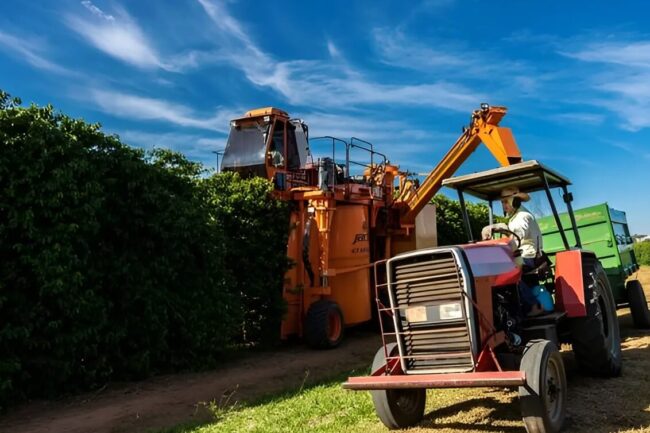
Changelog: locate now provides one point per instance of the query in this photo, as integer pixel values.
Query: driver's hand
(500, 228)
(486, 233)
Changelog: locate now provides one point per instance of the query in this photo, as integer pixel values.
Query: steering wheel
(508, 232)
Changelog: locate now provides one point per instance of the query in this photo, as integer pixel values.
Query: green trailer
(604, 231)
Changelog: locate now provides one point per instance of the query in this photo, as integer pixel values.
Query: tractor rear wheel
(397, 408)
(324, 325)
(543, 398)
(596, 338)
(638, 304)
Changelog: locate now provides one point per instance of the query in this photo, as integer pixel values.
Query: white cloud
(119, 37)
(576, 160)
(396, 49)
(332, 50)
(586, 118)
(620, 145)
(336, 84)
(635, 54)
(149, 140)
(97, 11)
(621, 70)
(193, 146)
(31, 52)
(137, 107)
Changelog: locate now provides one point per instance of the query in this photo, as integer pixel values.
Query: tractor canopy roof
(528, 176)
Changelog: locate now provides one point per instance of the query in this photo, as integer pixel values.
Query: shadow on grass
(212, 413)
(603, 405)
(492, 408)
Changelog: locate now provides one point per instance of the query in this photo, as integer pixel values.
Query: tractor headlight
(434, 313)
(451, 311)
(417, 314)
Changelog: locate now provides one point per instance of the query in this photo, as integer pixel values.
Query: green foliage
(449, 220)
(642, 252)
(256, 246)
(116, 264)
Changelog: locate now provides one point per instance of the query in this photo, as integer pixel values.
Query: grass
(595, 405)
(321, 408)
(327, 408)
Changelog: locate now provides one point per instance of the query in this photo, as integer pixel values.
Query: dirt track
(596, 405)
(169, 400)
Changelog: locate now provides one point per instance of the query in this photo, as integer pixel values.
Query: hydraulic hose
(306, 241)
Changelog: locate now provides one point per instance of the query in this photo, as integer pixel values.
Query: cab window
(292, 148)
(276, 149)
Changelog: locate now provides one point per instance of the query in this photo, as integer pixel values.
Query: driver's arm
(520, 225)
(486, 233)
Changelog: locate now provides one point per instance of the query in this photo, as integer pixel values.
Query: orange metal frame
(483, 128)
(569, 284)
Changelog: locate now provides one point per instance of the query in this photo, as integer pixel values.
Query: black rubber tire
(397, 408)
(319, 332)
(543, 399)
(638, 304)
(596, 339)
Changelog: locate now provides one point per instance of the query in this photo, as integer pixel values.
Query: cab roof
(266, 111)
(528, 176)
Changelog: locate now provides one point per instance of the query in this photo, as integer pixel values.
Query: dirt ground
(595, 405)
(169, 400)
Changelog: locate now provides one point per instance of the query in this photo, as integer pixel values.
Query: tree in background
(449, 220)
(642, 252)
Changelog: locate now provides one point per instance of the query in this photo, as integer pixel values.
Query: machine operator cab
(266, 143)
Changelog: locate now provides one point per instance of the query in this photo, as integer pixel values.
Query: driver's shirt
(523, 224)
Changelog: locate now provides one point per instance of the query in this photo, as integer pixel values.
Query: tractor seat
(552, 317)
(541, 269)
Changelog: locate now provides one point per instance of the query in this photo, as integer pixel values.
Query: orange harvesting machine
(350, 209)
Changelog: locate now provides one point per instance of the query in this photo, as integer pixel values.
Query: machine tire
(543, 399)
(324, 325)
(638, 304)
(596, 338)
(397, 408)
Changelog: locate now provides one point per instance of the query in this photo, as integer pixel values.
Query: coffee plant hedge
(116, 263)
(449, 220)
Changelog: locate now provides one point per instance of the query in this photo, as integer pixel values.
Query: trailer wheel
(543, 398)
(397, 408)
(324, 325)
(638, 304)
(596, 339)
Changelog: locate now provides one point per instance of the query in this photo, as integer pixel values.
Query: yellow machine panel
(349, 263)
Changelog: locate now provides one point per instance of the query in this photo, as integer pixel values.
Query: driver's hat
(513, 191)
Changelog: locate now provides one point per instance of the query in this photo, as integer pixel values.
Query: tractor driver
(522, 223)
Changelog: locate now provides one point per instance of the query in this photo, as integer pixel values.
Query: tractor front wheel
(324, 325)
(543, 398)
(397, 408)
(638, 304)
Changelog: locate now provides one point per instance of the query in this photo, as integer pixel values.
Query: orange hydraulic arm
(483, 128)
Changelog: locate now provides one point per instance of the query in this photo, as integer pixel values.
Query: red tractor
(452, 316)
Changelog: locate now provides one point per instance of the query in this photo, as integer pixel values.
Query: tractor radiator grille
(422, 286)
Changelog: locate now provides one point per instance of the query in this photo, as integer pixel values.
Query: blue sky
(403, 75)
